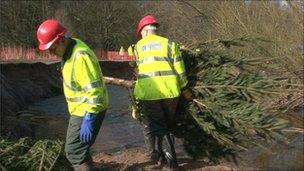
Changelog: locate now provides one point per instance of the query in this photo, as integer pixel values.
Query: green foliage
(26, 154)
(226, 115)
(11, 152)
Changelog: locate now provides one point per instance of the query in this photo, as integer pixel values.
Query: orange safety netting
(8, 54)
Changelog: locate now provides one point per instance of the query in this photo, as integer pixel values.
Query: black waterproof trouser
(78, 152)
(158, 119)
(158, 116)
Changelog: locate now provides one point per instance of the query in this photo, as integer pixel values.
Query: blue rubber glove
(87, 127)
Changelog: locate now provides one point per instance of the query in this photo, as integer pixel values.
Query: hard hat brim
(49, 44)
(139, 29)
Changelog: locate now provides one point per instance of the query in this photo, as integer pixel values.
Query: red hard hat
(147, 20)
(49, 32)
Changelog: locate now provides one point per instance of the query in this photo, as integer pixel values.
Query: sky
(282, 3)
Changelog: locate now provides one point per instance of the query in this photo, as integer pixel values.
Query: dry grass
(282, 27)
(192, 22)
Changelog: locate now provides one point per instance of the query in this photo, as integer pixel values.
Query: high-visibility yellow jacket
(83, 83)
(161, 70)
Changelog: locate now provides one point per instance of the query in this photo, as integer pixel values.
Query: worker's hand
(135, 113)
(188, 94)
(87, 127)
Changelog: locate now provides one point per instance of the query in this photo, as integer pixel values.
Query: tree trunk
(119, 82)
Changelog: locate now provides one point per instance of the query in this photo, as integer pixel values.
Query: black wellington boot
(169, 152)
(150, 142)
(162, 158)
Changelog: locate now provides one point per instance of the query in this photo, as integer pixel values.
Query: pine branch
(41, 155)
(226, 110)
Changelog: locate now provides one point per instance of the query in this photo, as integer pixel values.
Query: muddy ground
(32, 105)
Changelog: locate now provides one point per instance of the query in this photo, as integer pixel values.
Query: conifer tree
(226, 115)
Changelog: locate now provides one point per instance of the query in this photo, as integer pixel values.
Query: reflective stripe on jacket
(83, 84)
(161, 70)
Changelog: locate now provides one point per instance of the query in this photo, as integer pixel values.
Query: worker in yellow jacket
(84, 90)
(161, 80)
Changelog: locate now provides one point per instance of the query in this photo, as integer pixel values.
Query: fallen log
(128, 84)
(119, 82)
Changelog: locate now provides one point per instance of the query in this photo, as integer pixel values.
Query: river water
(119, 130)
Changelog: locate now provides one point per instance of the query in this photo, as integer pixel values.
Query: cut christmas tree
(227, 114)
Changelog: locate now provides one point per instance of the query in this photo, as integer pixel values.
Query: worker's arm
(179, 65)
(88, 76)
